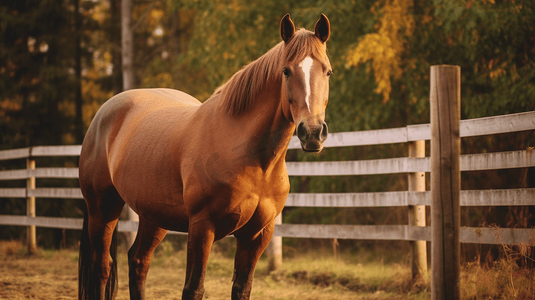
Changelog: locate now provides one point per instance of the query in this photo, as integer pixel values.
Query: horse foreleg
(248, 253)
(139, 257)
(200, 240)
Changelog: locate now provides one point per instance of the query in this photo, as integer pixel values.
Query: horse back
(131, 120)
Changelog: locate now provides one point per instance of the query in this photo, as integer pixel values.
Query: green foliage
(197, 45)
(493, 44)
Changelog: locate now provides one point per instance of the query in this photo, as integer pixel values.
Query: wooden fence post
(30, 208)
(274, 250)
(445, 181)
(417, 214)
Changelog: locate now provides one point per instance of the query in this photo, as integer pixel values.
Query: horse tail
(111, 286)
(88, 285)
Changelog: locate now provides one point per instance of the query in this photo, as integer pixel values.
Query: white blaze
(306, 65)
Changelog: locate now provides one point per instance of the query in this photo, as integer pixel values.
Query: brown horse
(210, 169)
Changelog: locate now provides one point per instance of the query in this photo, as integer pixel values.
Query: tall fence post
(445, 96)
(417, 214)
(274, 250)
(30, 208)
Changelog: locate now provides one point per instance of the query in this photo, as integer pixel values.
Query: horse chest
(254, 205)
(245, 205)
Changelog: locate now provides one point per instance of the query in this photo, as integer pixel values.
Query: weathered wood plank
(67, 150)
(12, 193)
(65, 193)
(39, 173)
(499, 160)
(497, 236)
(49, 222)
(508, 197)
(54, 173)
(498, 124)
(366, 232)
(508, 236)
(31, 231)
(480, 126)
(470, 127)
(469, 162)
(14, 174)
(14, 153)
(359, 167)
(416, 183)
(419, 132)
(384, 199)
(445, 110)
(66, 223)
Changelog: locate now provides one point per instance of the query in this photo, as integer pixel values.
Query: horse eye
(329, 73)
(286, 72)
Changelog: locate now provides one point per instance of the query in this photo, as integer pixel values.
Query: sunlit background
(61, 59)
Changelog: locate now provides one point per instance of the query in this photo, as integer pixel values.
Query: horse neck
(267, 126)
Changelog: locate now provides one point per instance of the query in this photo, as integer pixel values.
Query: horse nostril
(324, 131)
(301, 131)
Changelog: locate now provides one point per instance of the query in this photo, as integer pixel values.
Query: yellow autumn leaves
(385, 47)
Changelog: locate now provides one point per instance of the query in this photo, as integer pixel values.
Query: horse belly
(150, 186)
(169, 214)
(141, 160)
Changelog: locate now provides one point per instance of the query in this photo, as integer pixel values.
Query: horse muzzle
(312, 136)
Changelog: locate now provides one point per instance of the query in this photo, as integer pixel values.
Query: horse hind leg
(97, 261)
(139, 257)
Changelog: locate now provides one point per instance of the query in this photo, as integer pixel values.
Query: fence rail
(506, 197)
(475, 235)
(468, 128)
(471, 162)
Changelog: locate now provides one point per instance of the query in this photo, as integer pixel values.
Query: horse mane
(244, 86)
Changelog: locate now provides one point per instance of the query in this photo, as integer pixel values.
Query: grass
(324, 271)
(504, 280)
(314, 275)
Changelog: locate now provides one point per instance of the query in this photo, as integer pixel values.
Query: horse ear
(323, 28)
(287, 28)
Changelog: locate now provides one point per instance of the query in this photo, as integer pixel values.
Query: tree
(39, 64)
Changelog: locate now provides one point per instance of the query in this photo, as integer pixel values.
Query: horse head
(305, 88)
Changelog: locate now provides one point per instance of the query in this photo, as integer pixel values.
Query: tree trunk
(79, 123)
(127, 39)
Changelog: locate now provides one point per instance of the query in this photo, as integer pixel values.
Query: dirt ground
(53, 275)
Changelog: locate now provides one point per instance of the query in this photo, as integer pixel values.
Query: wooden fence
(469, 162)
(409, 165)
(445, 165)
